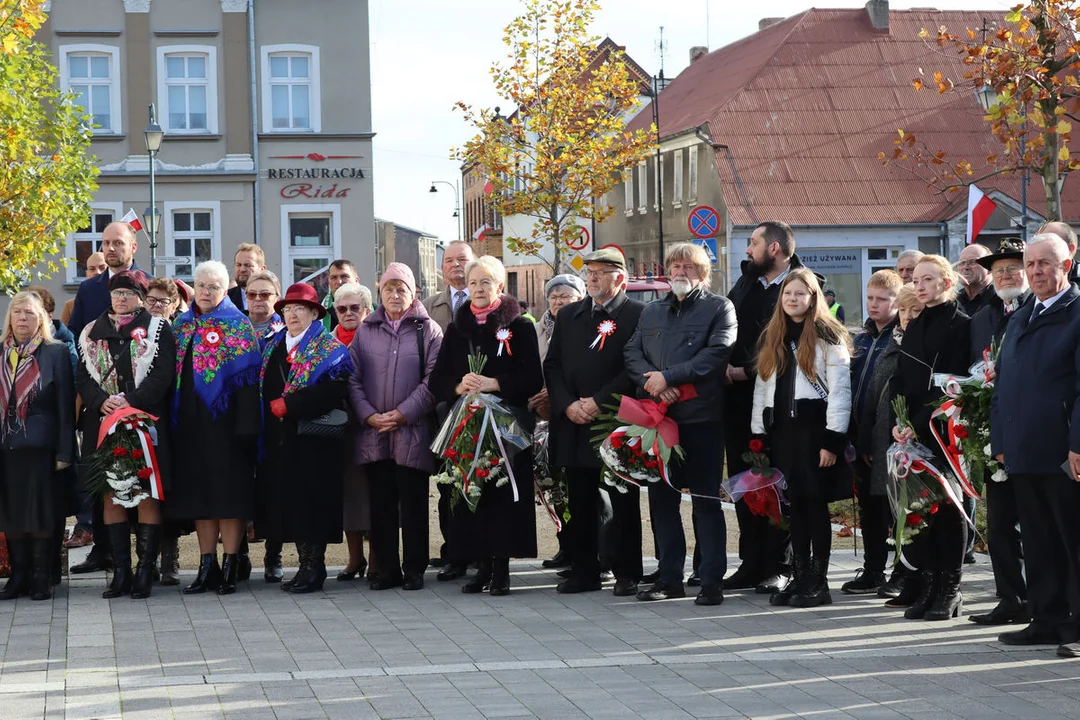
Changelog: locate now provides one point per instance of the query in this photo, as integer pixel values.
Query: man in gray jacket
(686, 339)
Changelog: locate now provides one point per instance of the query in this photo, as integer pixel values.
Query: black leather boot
(170, 561)
(481, 581)
(911, 588)
(800, 579)
(816, 591)
(301, 555)
(120, 537)
(243, 568)
(150, 538)
(948, 601)
(500, 577)
(22, 569)
(230, 572)
(208, 577)
(272, 572)
(140, 552)
(41, 582)
(929, 579)
(312, 577)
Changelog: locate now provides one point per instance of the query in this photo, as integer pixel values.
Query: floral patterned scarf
(225, 355)
(319, 353)
(18, 384)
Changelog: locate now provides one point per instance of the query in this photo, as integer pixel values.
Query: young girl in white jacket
(802, 404)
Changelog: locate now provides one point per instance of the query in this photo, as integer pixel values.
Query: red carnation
(651, 463)
(119, 452)
(756, 445)
(482, 473)
(136, 454)
(495, 461)
(144, 474)
(934, 508)
(617, 441)
(450, 453)
(914, 519)
(960, 432)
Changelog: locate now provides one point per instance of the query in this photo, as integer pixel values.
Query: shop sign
(832, 262)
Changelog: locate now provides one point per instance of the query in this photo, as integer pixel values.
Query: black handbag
(330, 426)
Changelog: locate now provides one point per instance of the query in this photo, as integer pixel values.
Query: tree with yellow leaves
(1030, 67)
(567, 144)
(46, 173)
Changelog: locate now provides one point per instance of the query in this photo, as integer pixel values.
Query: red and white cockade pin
(503, 335)
(276, 327)
(212, 338)
(138, 335)
(603, 331)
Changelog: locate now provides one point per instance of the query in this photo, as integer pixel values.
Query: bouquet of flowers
(966, 411)
(636, 440)
(125, 458)
(761, 487)
(916, 488)
(476, 444)
(550, 482)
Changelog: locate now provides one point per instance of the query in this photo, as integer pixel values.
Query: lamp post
(988, 98)
(457, 203)
(153, 135)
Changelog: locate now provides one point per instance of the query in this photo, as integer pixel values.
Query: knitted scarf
(21, 385)
(318, 354)
(225, 355)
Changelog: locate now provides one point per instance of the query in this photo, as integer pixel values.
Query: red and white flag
(132, 219)
(488, 187)
(479, 234)
(980, 208)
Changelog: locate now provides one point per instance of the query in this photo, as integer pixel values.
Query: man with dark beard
(770, 254)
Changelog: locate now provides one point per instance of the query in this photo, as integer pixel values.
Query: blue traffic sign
(704, 222)
(710, 248)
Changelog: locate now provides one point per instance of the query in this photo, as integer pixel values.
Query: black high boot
(500, 576)
(170, 561)
(929, 579)
(816, 591)
(911, 588)
(301, 555)
(481, 581)
(314, 575)
(149, 536)
(243, 568)
(22, 568)
(140, 551)
(230, 572)
(208, 577)
(272, 572)
(120, 538)
(800, 568)
(41, 581)
(948, 601)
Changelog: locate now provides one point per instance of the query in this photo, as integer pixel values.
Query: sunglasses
(342, 309)
(266, 295)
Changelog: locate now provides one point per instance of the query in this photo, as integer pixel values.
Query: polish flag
(488, 187)
(980, 208)
(132, 219)
(479, 234)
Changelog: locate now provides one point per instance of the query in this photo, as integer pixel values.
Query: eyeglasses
(260, 295)
(123, 294)
(157, 302)
(202, 287)
(966, 263)
(597, 273)
(1010, 271)
(343, 309)
(293, 309)
(561, 297)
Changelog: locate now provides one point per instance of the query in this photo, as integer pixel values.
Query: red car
(648, 288)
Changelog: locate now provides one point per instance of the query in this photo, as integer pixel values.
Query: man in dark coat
(765, 550)
(582, 376)
(1035, 432)
(975, 278)
(1003, 525)
(686, 339)
(248, 260)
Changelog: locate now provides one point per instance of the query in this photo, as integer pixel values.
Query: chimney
(878, 10)
(697, 52)
(766, 22)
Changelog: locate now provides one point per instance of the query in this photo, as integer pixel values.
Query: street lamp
(152, 135)
(988, 98)
(457, 204)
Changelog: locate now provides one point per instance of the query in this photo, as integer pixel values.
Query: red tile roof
(806, 105)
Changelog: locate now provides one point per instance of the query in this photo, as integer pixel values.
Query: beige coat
(439, 307)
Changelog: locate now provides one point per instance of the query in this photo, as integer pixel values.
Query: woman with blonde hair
(37, 438)
(802, 405)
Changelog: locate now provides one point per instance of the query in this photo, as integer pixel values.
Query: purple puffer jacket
(388, 377)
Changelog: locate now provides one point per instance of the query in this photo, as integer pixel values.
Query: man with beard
(976, 279)
(686, 339)
(248, 260)
(584, 369)
(1006, 268)
(765, 550)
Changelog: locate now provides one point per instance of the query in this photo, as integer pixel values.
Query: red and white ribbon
(603, 331)
(503, 335)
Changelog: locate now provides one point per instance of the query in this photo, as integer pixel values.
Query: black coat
(970, 306)
(236, 294)
(299, 492)
(751, 325)
(500, 527)
(988, 325)
(574, 370)
(876, 419)
(152, 395)
(92, 299)
(50, 417)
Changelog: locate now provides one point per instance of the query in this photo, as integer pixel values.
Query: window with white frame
(86, 241)
(628, 192)
(187, 88)
(692, 189)
(93, 73)
(192, 235)
(643, 186)
(310, 241)
(291, 96)
(677, 184)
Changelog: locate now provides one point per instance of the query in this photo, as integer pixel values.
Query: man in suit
(248, 260)
(95, 265)
(1035, 432)
(583, 375)
(442, 306)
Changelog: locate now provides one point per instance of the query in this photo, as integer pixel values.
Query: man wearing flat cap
(584, 370)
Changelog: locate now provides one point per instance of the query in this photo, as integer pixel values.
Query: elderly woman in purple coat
(393, 352)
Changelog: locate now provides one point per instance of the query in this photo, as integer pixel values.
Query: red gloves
(278, 408)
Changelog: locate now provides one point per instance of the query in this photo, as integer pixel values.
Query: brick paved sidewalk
(352, 653)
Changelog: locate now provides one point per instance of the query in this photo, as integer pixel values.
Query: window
(86, 241)
(310, 240)
(92, 72)
(693, 175)
(290, 88)
(628, 192)
(192, 235)
(643, 186)
(187, 88)
(677, 183)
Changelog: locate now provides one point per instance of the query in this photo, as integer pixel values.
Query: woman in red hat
(303, 381)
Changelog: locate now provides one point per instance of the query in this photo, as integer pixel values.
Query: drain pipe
(254, 121)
